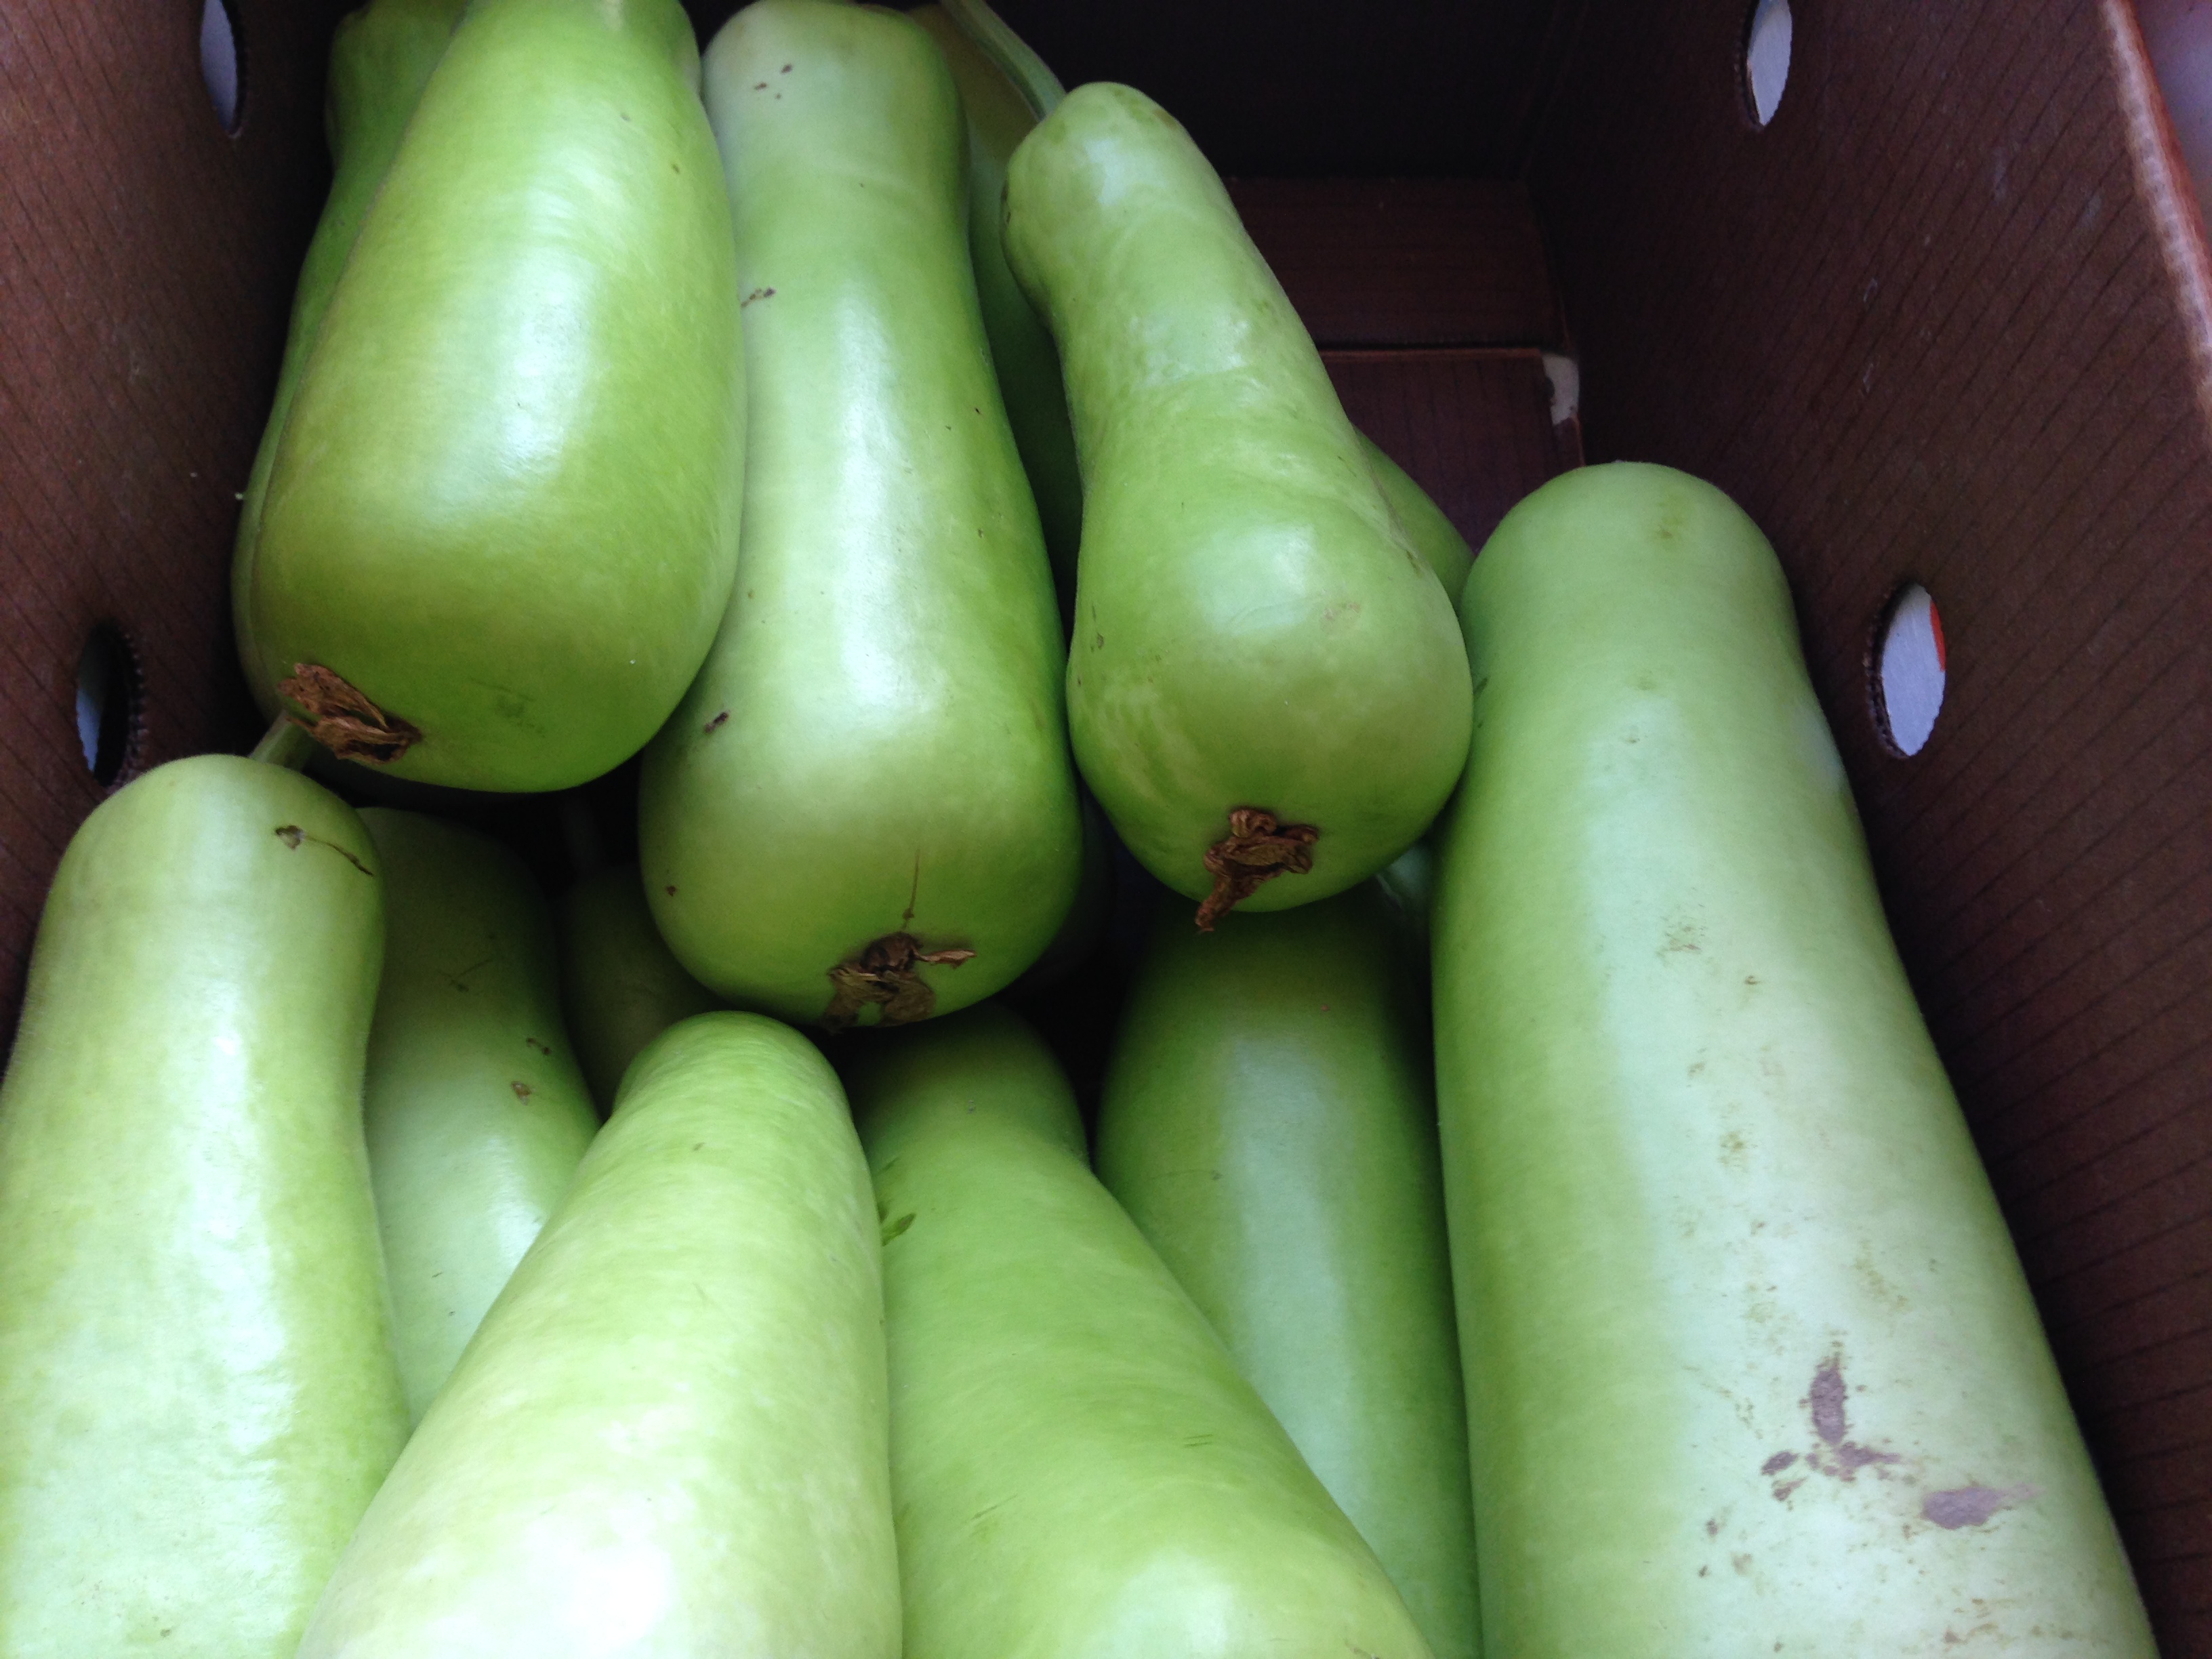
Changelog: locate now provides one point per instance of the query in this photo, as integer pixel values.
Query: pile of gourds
(894, 450)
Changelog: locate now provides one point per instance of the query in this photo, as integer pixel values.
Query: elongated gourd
(620, 985)
(1430, 534)
(669, 1436)
(1269, 1123)
(1028, 365)
(476, 1114)
(382, 57)
(1265, 679)
(1078, 1468)
(197, 1396)
(865, 806)
(501, 517)
(1751, 1365)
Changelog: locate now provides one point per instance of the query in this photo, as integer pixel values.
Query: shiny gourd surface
(669, 1436)
(620, 985)
(198, 1393)
(1751, 1364)
(999, 118)
(1269, 1123)
(1252, 629)
(475, 1111)
(875, 750)
(1079, 1468)
(503, 507)
(381, 57)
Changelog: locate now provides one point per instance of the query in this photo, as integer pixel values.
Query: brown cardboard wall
(1938, 322)
(146, 267)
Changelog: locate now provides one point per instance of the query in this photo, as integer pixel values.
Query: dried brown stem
(1255, 851)
(885, 973)
(343, 721)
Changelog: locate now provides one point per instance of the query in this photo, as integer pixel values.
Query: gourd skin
(1750, 1361)
(669, 1437)
(875, 746)
(197, 1395)
(475, 1112)
(1022, 352)
(1429, 534)
(620, 985)
(1080, 1471)
(504, 505)
(1269, 1123)
(382, 57)
(1251, 629)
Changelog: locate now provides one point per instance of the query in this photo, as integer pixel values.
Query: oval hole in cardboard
(1909, 666)
(107, 704)
(221, 63)
(1766, 58)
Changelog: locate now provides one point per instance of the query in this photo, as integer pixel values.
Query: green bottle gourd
(1269, 1123)
(1078, 1468)
(620, 985)
(381, 57)
(1751, 1364)
(1428, 532)
(864, 807)
(500, 520)
(1266, 690)
(999, 118)
(198, 1393)
(476, 1112)
(669, 1436)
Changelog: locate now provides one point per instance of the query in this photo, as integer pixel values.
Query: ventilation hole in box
(1909, 671)
(107, 704)
(1766, 58)
(221, 63)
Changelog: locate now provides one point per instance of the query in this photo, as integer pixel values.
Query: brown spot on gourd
(719, 720)
(1826, 1398)
(1779, 1461)
(672, 892)
(1971, 1506)
(757, 293)
(1741, 1562)
(521, 1089)
(1784, 1489)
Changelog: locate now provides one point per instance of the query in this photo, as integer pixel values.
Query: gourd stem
(1039, 87)
(285, 744)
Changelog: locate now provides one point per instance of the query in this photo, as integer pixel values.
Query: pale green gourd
(198, 1393)
(669, 1436)
(1751, 1365)
(1269, 1122)
(503, 506)
(620, 985)
(1080, 1471)
(1254, 636)
(476, 1113)
(1433, 535)
(382, 57)
(865, 806)
(999, 118)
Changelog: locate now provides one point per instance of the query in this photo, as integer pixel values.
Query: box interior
(1944, 321)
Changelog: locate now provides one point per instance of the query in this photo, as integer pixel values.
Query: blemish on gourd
(716, 723)
(291, 834)
(893, 1229)
(757, 293)
(521, 1089)
(1971, 1506)
(1837, 1456)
